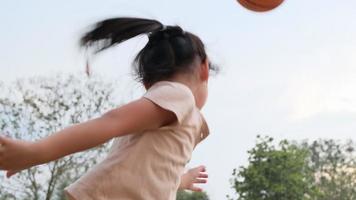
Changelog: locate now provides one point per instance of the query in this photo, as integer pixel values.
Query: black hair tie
(166, 32)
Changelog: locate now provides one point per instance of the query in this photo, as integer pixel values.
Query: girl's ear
(204, 70)
(146, 86)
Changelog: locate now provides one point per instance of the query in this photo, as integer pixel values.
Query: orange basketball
(260, 5)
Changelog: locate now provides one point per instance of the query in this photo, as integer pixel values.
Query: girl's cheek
(205, 95)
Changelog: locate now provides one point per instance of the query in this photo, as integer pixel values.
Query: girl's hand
(193, 176)
(16, 155)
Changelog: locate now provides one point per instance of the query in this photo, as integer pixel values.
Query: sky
(288, 73)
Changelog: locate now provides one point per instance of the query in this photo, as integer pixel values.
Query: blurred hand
(194, 176)
(16, 155)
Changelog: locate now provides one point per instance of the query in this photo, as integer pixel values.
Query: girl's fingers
(196, 189)
(200, 181)
(198, 170)
(202, 168)
(201, 175)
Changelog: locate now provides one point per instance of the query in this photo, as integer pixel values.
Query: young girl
(157, 132)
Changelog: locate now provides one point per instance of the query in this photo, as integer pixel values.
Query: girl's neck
(197, 87)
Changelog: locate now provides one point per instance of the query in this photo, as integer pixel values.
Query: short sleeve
(205, 131)
(172, 96)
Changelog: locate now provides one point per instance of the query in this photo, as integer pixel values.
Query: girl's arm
(193, 176)
(134, 117)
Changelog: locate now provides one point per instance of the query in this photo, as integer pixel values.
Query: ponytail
(168, 51)
(116, 30)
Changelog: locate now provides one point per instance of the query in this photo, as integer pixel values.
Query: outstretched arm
(139, 115)
(192, 177)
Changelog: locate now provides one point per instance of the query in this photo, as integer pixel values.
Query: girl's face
(202, 94)
(202, 89)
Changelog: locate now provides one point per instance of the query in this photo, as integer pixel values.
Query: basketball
(260, 5)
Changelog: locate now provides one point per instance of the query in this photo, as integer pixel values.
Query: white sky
(289, 73)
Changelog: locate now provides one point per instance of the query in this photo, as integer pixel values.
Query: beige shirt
(148, 165)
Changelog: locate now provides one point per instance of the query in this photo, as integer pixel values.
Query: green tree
(274, 172)
(33, 108)
(321, 170)
(183, 195)
(334, 167)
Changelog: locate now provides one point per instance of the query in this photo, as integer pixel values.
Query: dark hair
(169, 49)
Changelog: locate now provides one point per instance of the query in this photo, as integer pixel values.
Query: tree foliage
(321, 170)
(334, 166)
(183, 195)
(274, 172)
(33, 108)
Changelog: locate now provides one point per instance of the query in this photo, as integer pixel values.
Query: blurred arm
(131, 118)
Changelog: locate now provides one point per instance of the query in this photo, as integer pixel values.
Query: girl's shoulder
(172, 96)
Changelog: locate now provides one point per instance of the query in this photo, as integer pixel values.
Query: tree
(321, 170)
(183, 195)
(33, 108)
(334, 166)
(274, 173)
